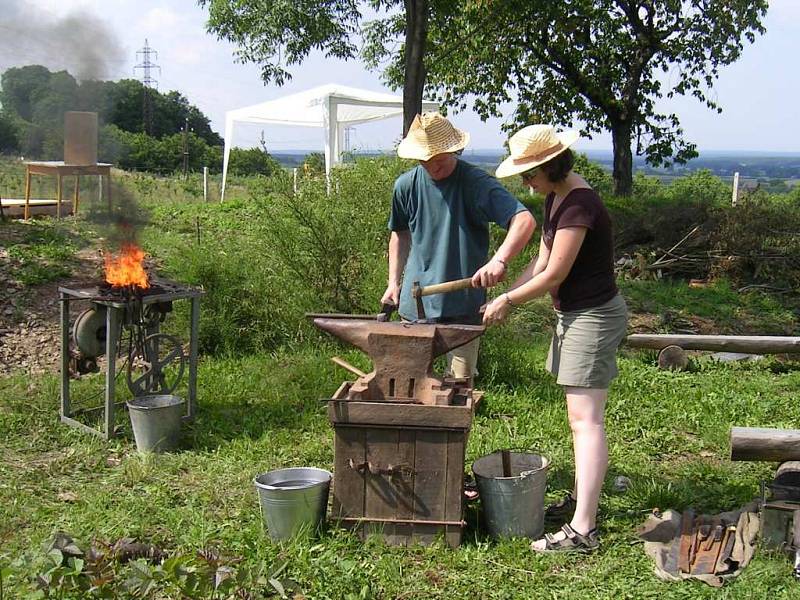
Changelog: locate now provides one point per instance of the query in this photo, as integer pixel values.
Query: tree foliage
(276, 35)
(602, 63)
(35, 99)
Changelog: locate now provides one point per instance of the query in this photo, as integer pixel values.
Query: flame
(127, 268)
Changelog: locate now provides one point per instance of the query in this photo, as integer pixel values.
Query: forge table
(116, 313)
(59, 169)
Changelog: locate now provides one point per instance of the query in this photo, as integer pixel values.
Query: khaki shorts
(583, 352)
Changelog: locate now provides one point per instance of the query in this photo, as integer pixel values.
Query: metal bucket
(156, 422)
(512, 506)
(293, 501)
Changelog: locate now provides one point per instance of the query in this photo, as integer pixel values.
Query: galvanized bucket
(156, 422)
(512, 506)
(293, 501)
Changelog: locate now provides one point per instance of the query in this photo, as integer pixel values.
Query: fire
(127, 268)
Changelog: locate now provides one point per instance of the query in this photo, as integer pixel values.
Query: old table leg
(59, 191)
(75, 197)
(27, 192)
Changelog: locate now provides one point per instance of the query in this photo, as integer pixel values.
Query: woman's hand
(496, 311)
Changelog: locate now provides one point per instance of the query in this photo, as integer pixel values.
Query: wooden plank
(406, 446)
(454, 486)
(759, 443)
(349, 485)
(754, 344)
(380, 501)
(400, 415)
(430, 464)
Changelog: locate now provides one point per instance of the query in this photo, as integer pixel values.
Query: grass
(667, 433)
(260, 410)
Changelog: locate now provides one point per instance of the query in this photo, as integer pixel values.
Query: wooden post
(59, 191)
(294, 177)
(75, 197)
(27, 191)
(205, 184)
(757, 443)
(99, 188)
(735, 196)
(755, 344)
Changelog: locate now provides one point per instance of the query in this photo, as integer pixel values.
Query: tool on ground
(418, 291)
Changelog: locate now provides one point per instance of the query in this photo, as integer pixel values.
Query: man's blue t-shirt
(449, 225)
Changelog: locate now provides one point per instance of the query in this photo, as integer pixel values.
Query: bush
(252, 161)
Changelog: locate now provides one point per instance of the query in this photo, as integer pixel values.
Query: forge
(122, 324)
(400, 431)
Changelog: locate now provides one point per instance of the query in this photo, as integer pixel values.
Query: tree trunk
(414, 80)
(623, 158)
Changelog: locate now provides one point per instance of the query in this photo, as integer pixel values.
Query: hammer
(418, 291)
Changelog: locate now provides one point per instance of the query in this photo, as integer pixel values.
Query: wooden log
(673, 358)
(757, 443)
(753, 344)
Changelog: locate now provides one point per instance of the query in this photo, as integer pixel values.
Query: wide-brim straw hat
(431, 134)
(534, 145)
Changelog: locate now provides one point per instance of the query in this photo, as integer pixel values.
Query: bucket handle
(402, 470)
(526, 451)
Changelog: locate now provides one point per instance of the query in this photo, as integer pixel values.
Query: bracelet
(502, 262)
(508, 300)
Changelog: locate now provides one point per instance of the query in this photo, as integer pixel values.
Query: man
(440, 218)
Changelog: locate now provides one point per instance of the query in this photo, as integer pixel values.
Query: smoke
(78, 42)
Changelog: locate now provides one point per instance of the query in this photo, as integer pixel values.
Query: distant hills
(784, 166)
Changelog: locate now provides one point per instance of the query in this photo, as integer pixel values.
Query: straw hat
(431, 134)
(534, 145)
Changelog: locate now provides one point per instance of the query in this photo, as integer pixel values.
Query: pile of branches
(755, 245)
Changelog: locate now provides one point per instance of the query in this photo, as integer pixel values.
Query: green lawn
(668, 432)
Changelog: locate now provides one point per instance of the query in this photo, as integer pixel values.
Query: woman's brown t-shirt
(590, 282)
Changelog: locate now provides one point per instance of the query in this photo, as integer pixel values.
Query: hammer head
(416, 293)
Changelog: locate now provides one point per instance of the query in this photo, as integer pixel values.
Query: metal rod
(409, 521)
(73, 423)
(111, 365)
(64, 306)
(193, 335)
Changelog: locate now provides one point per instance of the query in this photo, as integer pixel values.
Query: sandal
(572, 542)
(561, 510)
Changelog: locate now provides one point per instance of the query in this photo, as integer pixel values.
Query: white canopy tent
(332, 107)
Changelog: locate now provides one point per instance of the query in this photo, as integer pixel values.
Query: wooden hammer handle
(447, 286)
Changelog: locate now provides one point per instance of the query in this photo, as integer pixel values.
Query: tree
(604, 63)
(276, 35)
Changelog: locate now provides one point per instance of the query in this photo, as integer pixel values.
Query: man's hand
(489, 274)
(391, 295)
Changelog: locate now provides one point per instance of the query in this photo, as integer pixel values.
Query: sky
(759, 93)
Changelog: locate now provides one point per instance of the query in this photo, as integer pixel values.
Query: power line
(149, 83)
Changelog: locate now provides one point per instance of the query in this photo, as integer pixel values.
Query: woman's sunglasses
(529, 174)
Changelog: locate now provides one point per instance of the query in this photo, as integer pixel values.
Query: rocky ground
(30, 316)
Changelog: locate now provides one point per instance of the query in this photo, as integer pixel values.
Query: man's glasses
(529, 174)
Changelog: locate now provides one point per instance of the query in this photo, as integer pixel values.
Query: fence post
(735, 195)
(205, 184)
(294, 176)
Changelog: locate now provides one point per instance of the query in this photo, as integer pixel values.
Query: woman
(576, 265)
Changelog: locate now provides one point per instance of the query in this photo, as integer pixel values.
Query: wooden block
(400, 415)
(380, 499)
(430, 464)
(406, 445)
(454, 486)
(349, 485)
